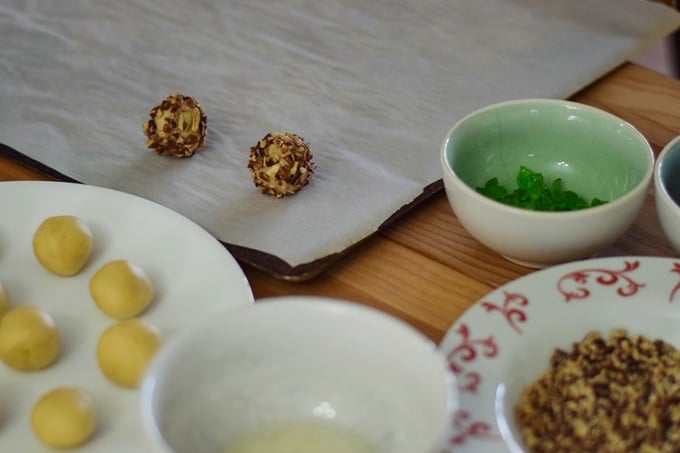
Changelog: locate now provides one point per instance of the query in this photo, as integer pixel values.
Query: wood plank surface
(426, 269)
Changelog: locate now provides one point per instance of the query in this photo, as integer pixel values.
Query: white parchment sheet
(372, 85)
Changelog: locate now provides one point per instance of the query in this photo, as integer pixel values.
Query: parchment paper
(372, 85)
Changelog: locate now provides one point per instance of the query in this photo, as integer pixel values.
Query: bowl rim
(514, 210)
(659, 182)
(319, 304)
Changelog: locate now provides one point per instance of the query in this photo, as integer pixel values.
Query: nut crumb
(621, 394)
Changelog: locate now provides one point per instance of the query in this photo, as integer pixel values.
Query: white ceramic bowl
(297, 359)
(667, 192)
(596, 154)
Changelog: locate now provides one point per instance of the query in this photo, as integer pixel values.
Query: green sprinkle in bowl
(594, 153)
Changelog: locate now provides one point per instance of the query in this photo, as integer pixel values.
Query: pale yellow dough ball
(4, 300)
(121, 289)
(125, 349)
(62, 244)
(64, 417)
(29, 339)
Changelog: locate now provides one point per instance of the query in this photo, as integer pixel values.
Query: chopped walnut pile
(621, 394)
(177, 127)
(281, 164)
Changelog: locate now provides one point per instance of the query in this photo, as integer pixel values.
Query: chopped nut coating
(621, 394)
(281, 164)
(177, 127)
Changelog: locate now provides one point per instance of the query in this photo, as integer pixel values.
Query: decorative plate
(193, 275)
(504, 341)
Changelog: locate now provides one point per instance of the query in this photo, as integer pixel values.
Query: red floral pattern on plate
(676, 288)
(605, 277)
(512, 315)
(465, 428)
(468, 351)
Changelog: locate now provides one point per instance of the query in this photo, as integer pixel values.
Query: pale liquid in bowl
(301, 437)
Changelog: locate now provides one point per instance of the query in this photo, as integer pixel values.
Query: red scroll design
(606, 277)
(512, 314)
(468, 351)
(676, 288)
(465, 428)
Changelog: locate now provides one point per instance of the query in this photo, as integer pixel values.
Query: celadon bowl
(596, 154)
(667, 192)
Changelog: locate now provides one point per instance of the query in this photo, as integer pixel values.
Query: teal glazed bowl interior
(592, 153)
(596, 155)
(667, 192)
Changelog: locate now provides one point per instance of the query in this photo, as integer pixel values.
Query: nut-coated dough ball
(62, 244)
(4, 300)
(281, 164)
(121, 289)
(29, 339)
(125, 349)
(64, 417)
(177, 127)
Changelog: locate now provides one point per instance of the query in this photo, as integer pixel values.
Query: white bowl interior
(295, 360)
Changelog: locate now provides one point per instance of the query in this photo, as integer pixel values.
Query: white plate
(504, 341)
(193, 275)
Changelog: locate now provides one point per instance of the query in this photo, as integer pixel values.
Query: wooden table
(426, 269)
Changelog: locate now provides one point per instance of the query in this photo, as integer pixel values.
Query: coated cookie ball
(29, 339)
(125, 349)
(64, 417)
(62, 244)
(177, 127)
(121, 289)
(281, 164)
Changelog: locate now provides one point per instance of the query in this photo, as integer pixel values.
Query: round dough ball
(125, 349)
(63, 244)
(29, 339)
(64, 417)
(4, 300)
(121, 289)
